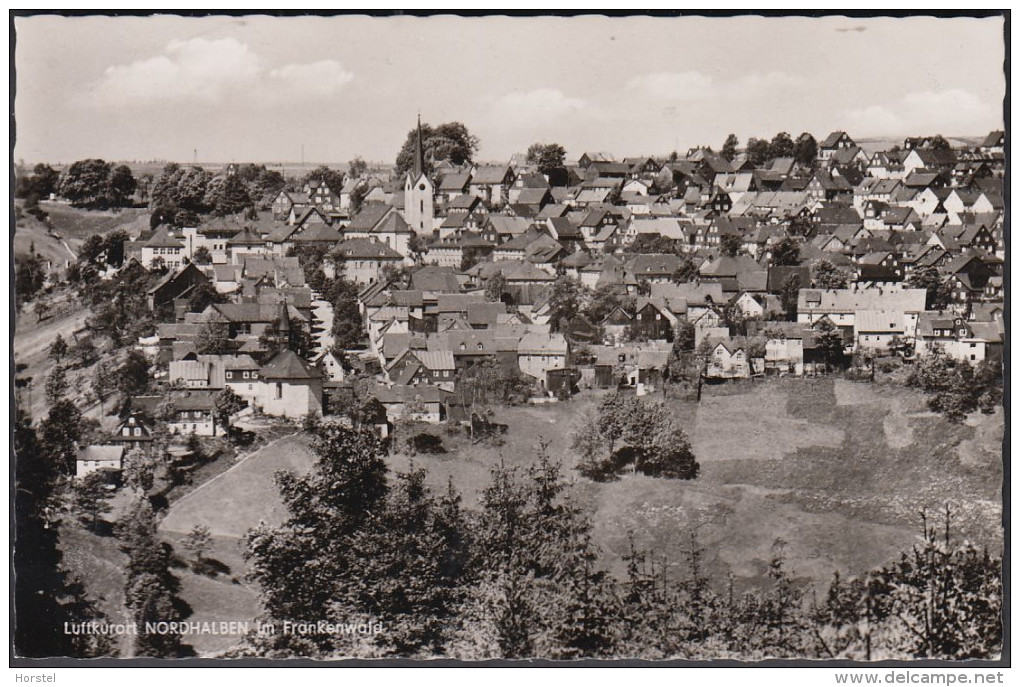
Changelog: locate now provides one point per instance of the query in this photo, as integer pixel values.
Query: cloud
(211, 71)
(540, 106)
(694, 86)
(542, 103)
(954, 111)
(323, 78)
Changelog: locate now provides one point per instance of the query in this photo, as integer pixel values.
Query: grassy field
(834, 473)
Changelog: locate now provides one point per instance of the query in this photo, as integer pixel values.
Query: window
(138, 431)
(245, 374)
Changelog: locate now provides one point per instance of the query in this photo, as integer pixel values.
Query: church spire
(419, 153)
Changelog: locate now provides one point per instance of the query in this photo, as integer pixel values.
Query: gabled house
(835, 141)
(290, 387)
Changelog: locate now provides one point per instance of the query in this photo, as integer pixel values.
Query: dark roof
(163, 239)
(366, 249)
(288, 365)
(369, 217)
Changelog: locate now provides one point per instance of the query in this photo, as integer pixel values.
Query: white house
(290, 387)
(93, 458)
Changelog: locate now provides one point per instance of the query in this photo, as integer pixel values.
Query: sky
(259, 88)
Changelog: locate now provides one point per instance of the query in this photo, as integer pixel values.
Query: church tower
(419, 192)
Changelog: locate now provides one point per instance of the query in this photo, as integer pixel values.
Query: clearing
(832, 473)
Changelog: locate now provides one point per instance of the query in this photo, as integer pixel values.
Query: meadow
(831, 474)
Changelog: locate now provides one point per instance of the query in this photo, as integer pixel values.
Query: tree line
(522, 577)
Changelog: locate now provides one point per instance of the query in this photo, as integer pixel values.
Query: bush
(423, 442)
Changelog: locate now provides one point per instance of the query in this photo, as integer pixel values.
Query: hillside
(69, 227)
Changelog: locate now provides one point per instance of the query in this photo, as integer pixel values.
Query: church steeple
(419, 154)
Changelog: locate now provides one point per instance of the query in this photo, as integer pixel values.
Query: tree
(955, 388)
(829, 339)
(757, 151)
(356, 169)
(940, 143)
(348, 328)
(149, 589)
(133, 375)
(56, 385)
(58, 349)
(806, 150)
(789, 291)
(87, 184)
(58, 436)
(781, 146)
(202, 256)
(122, 185)
(686, 270)
(684, 336)
(626, 430)
(45, 180)
(495, 286)
(333, 178)
(731, 244)
(44, 595)
(358, 198)
(180, 189)
(450, 141)
(786, 252)
(939, 294)
(213, 338)
(197, 541)
(565, 300)
(84, 350)
(227, 196)
(325, 510)
(139, 470)
(114, 247)
(828, 276)
(204, 295)
(227, 403)
(89, 498)
(29, 277)
(729, 148)
(546, 156)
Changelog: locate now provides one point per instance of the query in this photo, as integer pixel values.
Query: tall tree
(228, 196)
(546, 156)
(789, 291)
(87, 185)
(729, 148)
(356, 169)
(781, 146)
(122, 185)
(786, 252)
(828, 276)
(939, 291)
(806, 149)
(757, 150)
(450, 141)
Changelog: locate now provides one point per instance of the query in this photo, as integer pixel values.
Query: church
(419, 193)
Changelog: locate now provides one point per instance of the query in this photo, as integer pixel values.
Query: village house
(290, 387)
(90, 459)
(541, 351)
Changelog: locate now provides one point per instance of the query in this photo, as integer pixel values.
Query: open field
(819, 468)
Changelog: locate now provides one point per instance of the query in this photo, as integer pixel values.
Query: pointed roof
(288, 365)
(246, 237)
(419, 153)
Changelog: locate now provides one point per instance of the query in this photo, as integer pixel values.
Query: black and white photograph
(484, 339)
